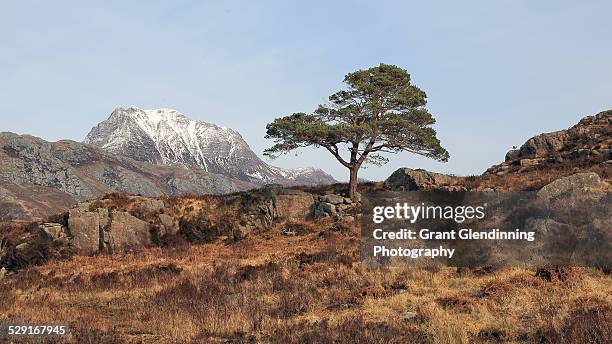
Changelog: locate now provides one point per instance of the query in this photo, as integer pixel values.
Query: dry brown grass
(298, 289)
(534, 177)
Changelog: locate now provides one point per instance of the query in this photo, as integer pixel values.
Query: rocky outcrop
(335, 205)
(274, 203)
(587, 143)
(407, 179)
(102, 231)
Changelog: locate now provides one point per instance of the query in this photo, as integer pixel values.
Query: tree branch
(367, 150)
(334, 150)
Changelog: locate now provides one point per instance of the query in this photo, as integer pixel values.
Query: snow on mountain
(167, 137)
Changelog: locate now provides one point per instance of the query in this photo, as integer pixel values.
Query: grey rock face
(196, 181)
(121, 179)
(327, 208)
(32, 161)
(167, 137)
(512, 155)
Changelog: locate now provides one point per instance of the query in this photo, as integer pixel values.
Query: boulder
(332, 198)
(22, 248)
(407, 179)
(125, 232)
(408, 315)
(151, 205)
(576, 182)
(328, 208)
(334, 205)
(512, 155)
(84, 226)
(53, 230)
(294, 206)
(343, 207)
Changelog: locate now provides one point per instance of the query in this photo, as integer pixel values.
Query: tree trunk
(353, 183)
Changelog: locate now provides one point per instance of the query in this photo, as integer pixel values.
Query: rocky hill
(167, 137)
(585, 147)
(587, 143)
(38, 178)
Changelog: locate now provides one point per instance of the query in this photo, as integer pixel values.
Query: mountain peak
(167, 137)
(153, 117)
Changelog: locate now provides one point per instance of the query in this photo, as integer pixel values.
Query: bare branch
(334, 150)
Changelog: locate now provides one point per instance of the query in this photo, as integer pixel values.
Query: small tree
(379, 112)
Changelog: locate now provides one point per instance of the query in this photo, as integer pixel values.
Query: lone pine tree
(379, 112)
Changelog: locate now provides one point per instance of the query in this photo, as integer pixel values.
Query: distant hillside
(38, 178)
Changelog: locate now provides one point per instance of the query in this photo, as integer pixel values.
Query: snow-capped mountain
(167, 137)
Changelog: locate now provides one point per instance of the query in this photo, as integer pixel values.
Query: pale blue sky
(496, 72)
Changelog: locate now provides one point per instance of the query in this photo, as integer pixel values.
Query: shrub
(198, 230)
(455, 303)
(118, 200)
(558, 274)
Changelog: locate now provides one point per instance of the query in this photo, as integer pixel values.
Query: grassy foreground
(308, 288)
